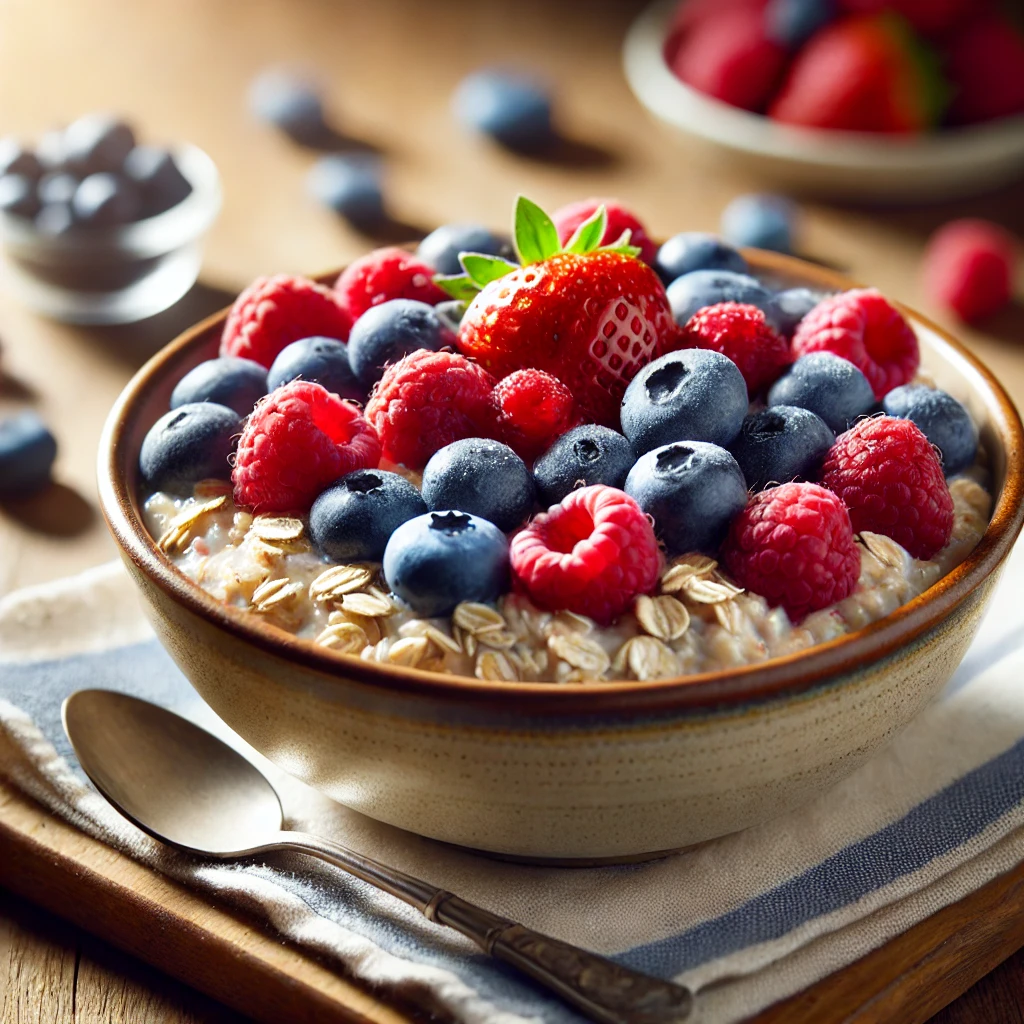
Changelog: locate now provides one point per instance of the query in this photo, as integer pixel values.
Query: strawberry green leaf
(587, 237)
(535, 233)
(621, 245)
(458, 286)
(482, 269)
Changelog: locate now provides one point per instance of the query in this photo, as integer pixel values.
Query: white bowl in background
(854, 165)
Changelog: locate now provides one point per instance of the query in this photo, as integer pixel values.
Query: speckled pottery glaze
(580, 772)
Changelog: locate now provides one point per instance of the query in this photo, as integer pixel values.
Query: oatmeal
(697, 621)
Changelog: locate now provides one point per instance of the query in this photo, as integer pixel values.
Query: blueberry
(759, 221)
(483, 477)
(27, 451)
(390, 330)
(237, 383)
(106, 200)
(159, 180)
(18, 196)
(290, 103)
(692, 490)
(793, 305)
(792, 22)
(15, 159)
(585, 455)
(50, 150)
(350, 187)
(451, 313)
(189, 444)
(781, 444)
(828, 385)
(440, 559)
(323, 360)
(695, 250)
(511, 108)
(700, 288)
(57, 187)
(55, 219)
(441, 248)
(694, 394)
(942, 419)
(96, 143)
(354, 518)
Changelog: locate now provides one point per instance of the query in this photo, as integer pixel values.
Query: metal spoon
(187, 788)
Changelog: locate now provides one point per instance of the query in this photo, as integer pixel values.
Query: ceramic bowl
(852, 165)
(577, 772)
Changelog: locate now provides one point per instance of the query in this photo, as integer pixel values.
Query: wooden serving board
(235, 960)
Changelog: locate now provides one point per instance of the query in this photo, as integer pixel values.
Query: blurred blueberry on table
(828, 385)
(55, 219)
(692, 490)
(159, 180)
(291, 103)
(483, 477)
(693, 394)
(387, 332)
(106, 200)
(508, 106)
(450, 312)
(50, 150)
(16, 159)
(696, 250)
(18, 196)
(96, 143)
(57, 187)
(350, 186)
(189, 444)
(700, 288)
(441, 248)
(437, 560)
(792, 22)
(354, 518)
(237, 383)
(781, 444)
(588, 454)
(321, 360)
(942, 419)
(27, 451)
(792, 305)
(760, 221)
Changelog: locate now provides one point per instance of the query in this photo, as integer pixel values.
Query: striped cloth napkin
(744, 920)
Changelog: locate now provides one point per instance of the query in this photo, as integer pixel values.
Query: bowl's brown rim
(791, 674)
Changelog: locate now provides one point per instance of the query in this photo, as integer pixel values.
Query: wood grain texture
(181, 68)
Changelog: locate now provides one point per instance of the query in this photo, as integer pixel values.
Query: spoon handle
(599, 988)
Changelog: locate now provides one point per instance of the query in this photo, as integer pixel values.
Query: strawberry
(929, 17)
(985, 63)
(863, 73)
(588, 314)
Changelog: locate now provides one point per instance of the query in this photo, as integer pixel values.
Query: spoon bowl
(174, 780)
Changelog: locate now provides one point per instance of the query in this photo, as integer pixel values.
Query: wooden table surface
(180, 71)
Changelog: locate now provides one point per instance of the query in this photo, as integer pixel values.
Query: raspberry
(297, 441)
(275, 311)
(427, 400)
(862, 327)
(794, 546)
(742, 333)
(729, 56)
(892, 482)
(570, 217)
(592, 554)
(533, 409)
(388, 273)
(968, 266)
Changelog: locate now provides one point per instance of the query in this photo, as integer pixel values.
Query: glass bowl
(119, 274)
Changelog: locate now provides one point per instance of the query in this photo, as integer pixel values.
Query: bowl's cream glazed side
(567, 788)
